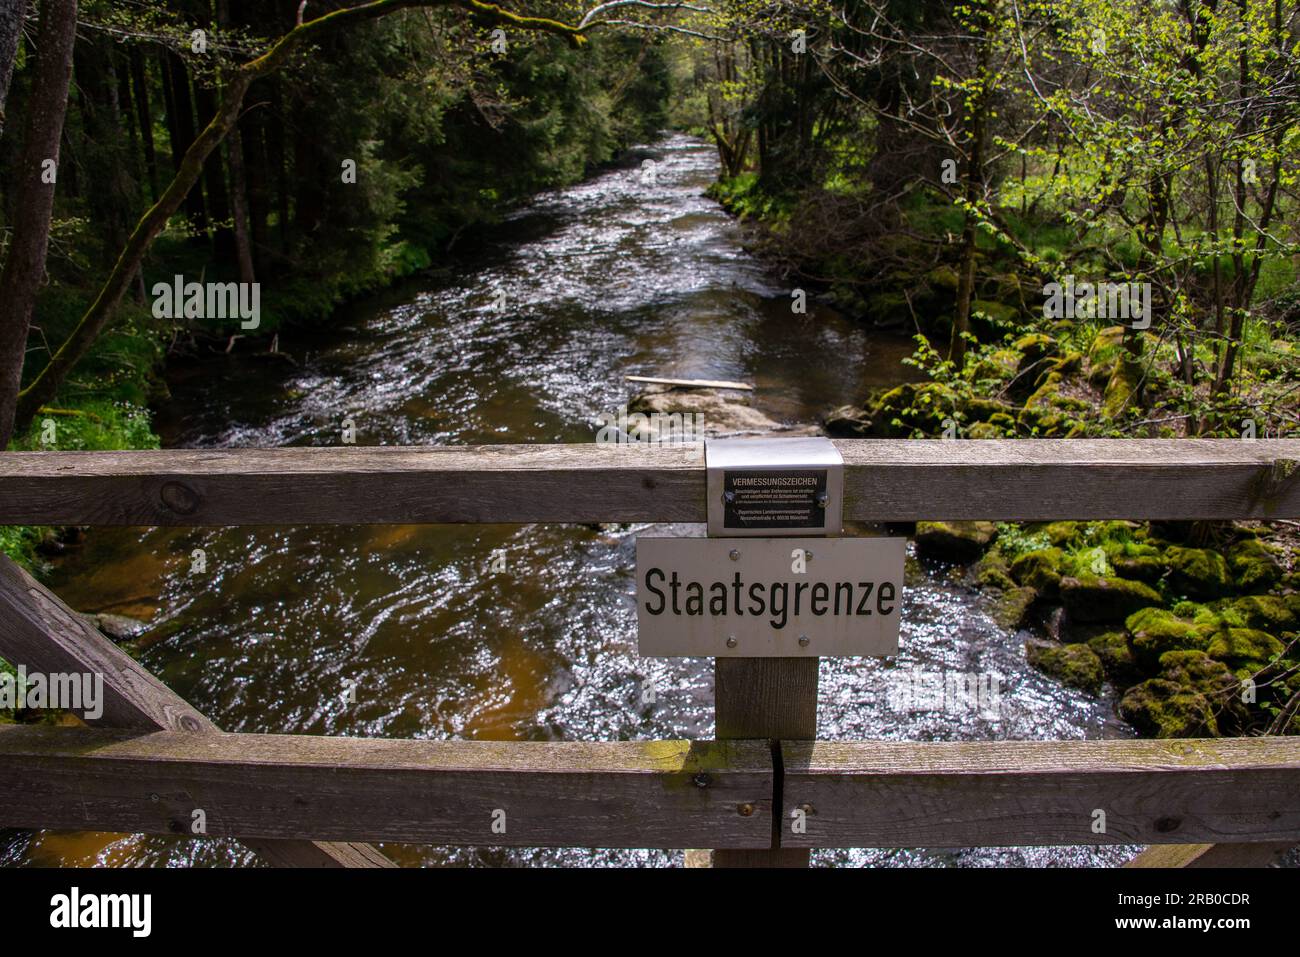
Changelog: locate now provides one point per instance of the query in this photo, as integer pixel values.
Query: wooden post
(773, 698)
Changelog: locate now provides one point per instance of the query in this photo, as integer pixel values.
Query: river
(624, 273)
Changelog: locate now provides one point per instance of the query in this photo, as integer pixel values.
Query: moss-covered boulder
(1243, 647)
(954, 541)
(986, 430)
(848, 422)
(1105, 350)
(1011, 606)
(1214, 680)
(1122, 387)
(1117, 659)
(1197, 572)
(1143, 568)
(1266, 612)
(1089, 598)
(1075, 665)
(1040, 569)
(1155, 631)
(992, 571)
(1161, 708)
(999, 364)
(1253, 565)
(1064, 534)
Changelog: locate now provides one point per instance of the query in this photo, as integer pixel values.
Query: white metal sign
(768, 597)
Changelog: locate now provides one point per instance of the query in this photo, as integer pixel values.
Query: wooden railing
(151, 760)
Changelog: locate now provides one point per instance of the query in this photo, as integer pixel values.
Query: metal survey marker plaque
(769, 597)
(790, 486)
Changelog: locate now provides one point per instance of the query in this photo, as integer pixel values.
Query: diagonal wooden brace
(40, 631)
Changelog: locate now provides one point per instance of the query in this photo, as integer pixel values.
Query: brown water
(610, 277)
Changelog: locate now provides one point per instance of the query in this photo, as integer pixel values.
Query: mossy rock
(1075, 665)
(1161, 708)
(1197, 572)
(1143, 568)
(1214, 680)
(943, 277)
(1112, 648)
(1011, 606)
(1253, 565)
(1035, 346)
(1089, 598)
(954, 541)
(1242, 647)
(1122, 387)
(1102, 355)
(848, 422)
(1070, 364)
(1155, 631)
(985, 430)
(1266, 612)
(1003, 421)
(912, 407)
(999, 364)
(981, 410)
(991, 571)
(1039, 569)
(1063, 534)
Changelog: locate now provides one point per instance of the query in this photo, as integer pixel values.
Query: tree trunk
(25, 266)
(144, 118)
(12, 13)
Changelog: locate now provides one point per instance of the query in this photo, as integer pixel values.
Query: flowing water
(620, 274)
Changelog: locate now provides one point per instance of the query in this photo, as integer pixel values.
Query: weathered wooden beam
(41, 632)
(1264, 854)
(885, 480)
(603, 794)
(1002, 793)
(765, 698)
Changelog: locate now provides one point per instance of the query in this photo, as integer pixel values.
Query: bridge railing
(151, 761)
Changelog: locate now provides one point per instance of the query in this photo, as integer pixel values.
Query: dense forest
(1085, 211)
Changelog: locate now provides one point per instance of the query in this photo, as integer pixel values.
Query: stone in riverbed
(1011, 607)
(1161, 708)
(1075, 665)
(1089, 598)
(954, 541)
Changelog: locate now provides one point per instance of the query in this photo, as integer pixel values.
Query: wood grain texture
(1263, 854)
(605, 794)
(1003, 793)
(38, 630)
(773, 699)
(885, 480)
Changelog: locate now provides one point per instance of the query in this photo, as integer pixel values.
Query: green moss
(1161, 708)
(1040, 569)
(1090, 598)
(991, 571)
(1253, 565)
(1076, 665)
(1155, 631)
(1117, 659)
(1121, 387)
(1239, 647)
(1265, 612)
(1197, 572)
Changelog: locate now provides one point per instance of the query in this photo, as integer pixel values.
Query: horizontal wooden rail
(885, 480)
(1004, 793)
(667, 794)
